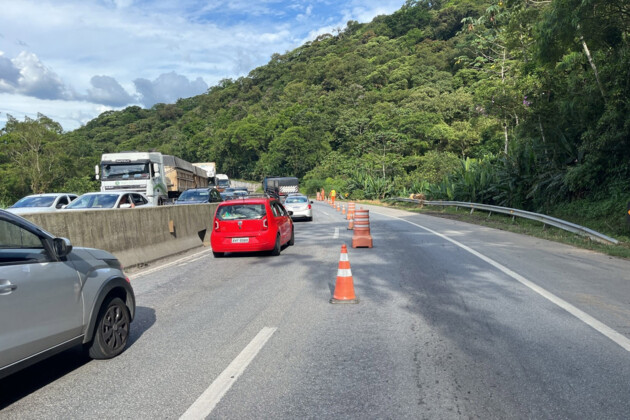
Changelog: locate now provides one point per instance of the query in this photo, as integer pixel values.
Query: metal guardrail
(547, 220)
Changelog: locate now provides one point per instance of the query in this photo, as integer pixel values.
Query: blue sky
(73, 59)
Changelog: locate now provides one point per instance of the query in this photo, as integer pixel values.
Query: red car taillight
(216, 225)
(309, 206)
(265, 224)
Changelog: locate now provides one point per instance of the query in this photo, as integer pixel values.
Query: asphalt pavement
(454, 321)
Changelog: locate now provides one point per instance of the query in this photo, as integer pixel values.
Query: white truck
(211, 170)
(134, 171)
(222, 182)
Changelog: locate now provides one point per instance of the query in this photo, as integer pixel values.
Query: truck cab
(222, 182)
(134, 171)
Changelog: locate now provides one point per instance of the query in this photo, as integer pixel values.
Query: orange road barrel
(350, 214)
(361, 237)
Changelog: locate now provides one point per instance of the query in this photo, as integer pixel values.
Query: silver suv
(54, 296)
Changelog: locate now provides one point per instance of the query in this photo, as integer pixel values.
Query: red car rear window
(241, 212)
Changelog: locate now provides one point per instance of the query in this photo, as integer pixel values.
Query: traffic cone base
(344, 287)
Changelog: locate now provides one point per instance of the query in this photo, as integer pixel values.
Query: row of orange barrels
(358, 222)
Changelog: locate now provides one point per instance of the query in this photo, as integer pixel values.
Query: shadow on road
(24, 382)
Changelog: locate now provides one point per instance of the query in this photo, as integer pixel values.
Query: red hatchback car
(251, 224)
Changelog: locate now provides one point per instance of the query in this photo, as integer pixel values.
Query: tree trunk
(505, 133)
(540, 127)
(593, 66)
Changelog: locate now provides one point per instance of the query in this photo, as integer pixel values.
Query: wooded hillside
(519, 103)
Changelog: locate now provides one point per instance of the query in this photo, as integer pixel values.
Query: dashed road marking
(211, 396)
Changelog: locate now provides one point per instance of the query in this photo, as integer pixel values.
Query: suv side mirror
(62, 247)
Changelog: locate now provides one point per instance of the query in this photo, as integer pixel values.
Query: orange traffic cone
(343, 209)
(344, 288)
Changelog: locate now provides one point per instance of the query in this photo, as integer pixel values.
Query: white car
(40, 203)
(109, 200)
(300, 206)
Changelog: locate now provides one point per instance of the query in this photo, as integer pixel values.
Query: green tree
(34, 149)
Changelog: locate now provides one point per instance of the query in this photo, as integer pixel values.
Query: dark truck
(280, 186)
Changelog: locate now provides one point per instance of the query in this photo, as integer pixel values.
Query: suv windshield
(201, 196)
(34, 202)
(241, 212)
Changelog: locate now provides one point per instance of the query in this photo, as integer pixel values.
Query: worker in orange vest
(333, 194)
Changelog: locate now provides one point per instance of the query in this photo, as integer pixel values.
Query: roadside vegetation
(516, 103)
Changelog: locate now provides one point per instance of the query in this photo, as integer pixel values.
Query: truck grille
(138, 187)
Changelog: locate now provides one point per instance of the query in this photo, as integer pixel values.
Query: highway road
(454, 321)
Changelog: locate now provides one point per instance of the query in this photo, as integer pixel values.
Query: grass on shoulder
(522, 226)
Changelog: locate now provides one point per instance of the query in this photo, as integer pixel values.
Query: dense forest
(520, 103)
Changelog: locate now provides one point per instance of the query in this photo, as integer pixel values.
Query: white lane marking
(179, 261)
(211, 396)
(599, 326)
(336, 234)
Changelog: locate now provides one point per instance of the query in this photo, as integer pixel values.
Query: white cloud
(168, 88)
(70, 114)
(27, 75)
(302, 17)
(9, 74)
(115, 52)
(106, 90)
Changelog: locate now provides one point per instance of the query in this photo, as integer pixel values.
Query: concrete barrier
(135, 236)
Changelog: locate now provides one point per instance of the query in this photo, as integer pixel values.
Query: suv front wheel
(112, 330)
